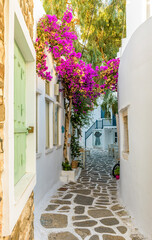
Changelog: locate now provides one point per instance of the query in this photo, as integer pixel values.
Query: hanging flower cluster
(109, 74)
(77, 80)
(76, 76)
(55, 37)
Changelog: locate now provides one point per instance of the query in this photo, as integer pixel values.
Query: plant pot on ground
(116, 171)
(74, 163)
(117, 177)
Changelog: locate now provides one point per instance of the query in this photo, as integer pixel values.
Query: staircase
(98, 124)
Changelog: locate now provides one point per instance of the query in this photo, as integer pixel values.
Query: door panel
(20, 130)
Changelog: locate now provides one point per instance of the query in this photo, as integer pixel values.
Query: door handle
(30, 129)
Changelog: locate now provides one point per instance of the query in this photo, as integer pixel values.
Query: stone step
(64, 179)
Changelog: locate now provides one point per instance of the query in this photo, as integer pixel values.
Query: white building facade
(135, 103)
(100, 132)
(50, 130)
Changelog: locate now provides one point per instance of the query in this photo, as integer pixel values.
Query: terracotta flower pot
(74, 164)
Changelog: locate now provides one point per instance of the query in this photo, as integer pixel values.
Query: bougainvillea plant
(108, 74)
(79, 80)
(55, 37)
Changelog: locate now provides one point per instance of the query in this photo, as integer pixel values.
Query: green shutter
(20, 130)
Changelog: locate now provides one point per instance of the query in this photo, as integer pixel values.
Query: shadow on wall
(135, 84)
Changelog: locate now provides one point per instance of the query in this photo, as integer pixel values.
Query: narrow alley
(88, 209)
(75, 99)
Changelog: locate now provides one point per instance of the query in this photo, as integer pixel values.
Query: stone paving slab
(83, 200)
(62, 235)
(83, 233)
(109, 221)
(88, 223)
(94, 237)
(89, 208)
(49, 220)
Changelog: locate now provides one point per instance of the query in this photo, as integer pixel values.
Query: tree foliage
(100, 26)
(110, 101)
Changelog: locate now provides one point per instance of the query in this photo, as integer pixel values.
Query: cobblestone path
(89, 209)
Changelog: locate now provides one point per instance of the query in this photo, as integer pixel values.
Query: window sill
(39, 91)
(125, 155)
(59, 104)
(49, 150)
(38, 155)
(48, 98)
(22, 185)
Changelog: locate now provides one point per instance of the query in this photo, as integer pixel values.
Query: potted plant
(66, 166)
(117, 173)
(68, 173)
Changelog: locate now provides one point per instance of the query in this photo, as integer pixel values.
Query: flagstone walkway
(88, 209)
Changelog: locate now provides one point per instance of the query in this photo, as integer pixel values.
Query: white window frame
(124, 148)
(50, 100)
(15, 197)
(126, 134)
(47, 122)
(59, 144)
(148, 8)
(38, 95)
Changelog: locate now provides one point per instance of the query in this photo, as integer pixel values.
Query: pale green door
(20, 130)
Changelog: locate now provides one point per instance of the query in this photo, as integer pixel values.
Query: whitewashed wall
(136, 14)
(135, 85)
(49, 161)
(108, 136)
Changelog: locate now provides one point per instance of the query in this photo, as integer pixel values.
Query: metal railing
(107, 122)
(89, 131)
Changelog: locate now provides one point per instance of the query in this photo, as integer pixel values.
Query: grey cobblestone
(92, 205)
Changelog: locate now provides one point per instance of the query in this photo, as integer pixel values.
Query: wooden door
(20, 130)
